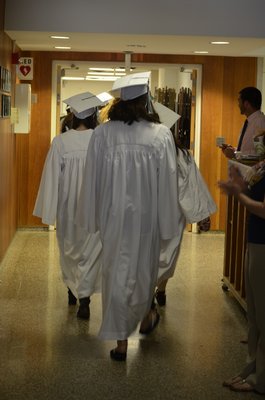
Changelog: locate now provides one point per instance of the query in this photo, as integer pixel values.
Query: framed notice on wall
(5, 105)
(5, 89)
(5, 79)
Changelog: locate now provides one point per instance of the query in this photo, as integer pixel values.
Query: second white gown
(195, 202)
(80, 252)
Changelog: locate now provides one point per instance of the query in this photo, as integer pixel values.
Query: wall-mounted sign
(5, 79)
(25, 69)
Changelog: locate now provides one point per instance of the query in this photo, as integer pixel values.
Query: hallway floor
(47, 354)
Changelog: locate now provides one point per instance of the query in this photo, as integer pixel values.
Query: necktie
(242, 135)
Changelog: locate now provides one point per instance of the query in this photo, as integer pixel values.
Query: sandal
(155, 317)
(117, 356)
(242, 386)
(161, 297)
(232, 381)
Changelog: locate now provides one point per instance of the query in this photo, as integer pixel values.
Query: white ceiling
(150, 44)
(168, 27)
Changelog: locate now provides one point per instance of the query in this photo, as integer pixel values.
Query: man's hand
(228, 150)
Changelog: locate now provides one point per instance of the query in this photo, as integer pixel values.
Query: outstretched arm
(236, 186)
(255, 207)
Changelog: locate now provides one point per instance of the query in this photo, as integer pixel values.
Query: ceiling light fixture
(62, 47)
(135, 45)
(201, 52)
(121, 69)
(101, 78)
(73, 78)
(60, 37)
(100, 73)
(101, 69)
(219, 42)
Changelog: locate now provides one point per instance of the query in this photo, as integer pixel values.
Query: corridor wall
(8, 192)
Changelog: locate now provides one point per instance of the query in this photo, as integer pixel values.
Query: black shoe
(84, 311)
(71, 298)
(160, 298)
(153, 323)
(115, 355)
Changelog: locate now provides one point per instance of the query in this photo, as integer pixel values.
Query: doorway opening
(72, 77)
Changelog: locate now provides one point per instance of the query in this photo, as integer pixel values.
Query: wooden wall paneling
(32, 148)
(234, 232)
(40, 136)
(240, 246)
(210, 128)
(235, 247)
(242, 283)
(8, 189)
(226, 121)
(238, 73)
(230, 114)
(23, 177)
(228, 236)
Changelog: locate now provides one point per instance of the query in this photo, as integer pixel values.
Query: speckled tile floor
(47, 354)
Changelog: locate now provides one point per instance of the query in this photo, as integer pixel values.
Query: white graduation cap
(84, 104)
(105, 97)
(167, 116)
(131, 86)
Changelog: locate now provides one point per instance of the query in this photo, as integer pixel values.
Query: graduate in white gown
(196, 205)
(128, 194)
(80, 252)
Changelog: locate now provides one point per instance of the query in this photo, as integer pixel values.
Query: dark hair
(67, 122)
(90, 122)
(180, 147)
(252, 95)
(133, 110)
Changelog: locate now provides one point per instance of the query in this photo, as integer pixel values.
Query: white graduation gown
(80, 252)
(128, 193)
(195, 202)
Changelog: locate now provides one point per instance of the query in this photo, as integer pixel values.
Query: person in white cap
(194, 201)
(80, 252)
(196, 204)
(129, 194)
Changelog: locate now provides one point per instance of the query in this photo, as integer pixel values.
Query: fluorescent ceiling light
(73, 78)
(101, 78)
(200, 52)
(120, 74)
(123, 69)
(219, 42)
(62, 47)
(60, 37)
(101, 69)
(101, 73)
